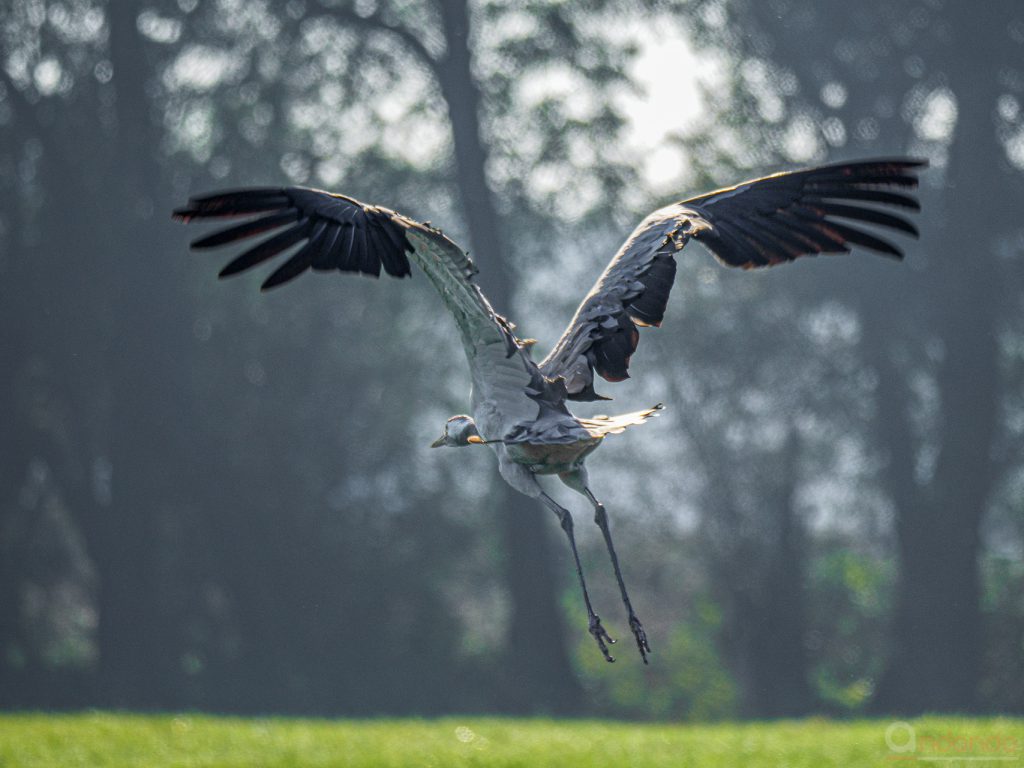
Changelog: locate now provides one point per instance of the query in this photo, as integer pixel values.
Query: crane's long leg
(600, 635)
(601, 518)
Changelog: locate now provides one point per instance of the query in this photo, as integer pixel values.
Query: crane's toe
(601, 636)
(640, 635)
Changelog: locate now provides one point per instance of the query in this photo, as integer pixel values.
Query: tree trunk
(779, 658)
(537, 660)
(757, 568)
(937, 630)
(146, 362)
(18, 433)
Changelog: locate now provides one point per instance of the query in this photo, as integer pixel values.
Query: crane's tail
(599, 426)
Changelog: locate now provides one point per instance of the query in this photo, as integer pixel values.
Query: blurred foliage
(690, 682)
(1003, 604)
(851, 596)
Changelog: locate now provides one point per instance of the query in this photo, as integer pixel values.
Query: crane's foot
(601, 636)
(640, 635)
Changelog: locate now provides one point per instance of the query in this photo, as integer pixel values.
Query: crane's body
(519, 406)
(552, 458)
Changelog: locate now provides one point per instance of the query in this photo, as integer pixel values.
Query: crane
(520, 407)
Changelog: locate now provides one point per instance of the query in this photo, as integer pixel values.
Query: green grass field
(100, 739)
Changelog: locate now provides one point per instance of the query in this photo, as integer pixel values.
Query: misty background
(218, 499)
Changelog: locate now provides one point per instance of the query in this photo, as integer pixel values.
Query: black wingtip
(901, 162)
(269, 285)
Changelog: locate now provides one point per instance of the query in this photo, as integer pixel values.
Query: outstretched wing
(335, 232)
(756, 224)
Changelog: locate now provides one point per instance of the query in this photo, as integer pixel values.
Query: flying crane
(519, 406)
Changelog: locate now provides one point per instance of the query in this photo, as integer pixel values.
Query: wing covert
(633, 290)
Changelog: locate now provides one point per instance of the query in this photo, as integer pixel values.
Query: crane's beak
(441, 441)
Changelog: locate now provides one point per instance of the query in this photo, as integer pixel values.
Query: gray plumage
(520, 407)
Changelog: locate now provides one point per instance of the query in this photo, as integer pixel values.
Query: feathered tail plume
(599, 426)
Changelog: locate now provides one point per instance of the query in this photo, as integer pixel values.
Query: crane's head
(459, 431)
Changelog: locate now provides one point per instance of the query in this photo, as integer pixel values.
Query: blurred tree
(216, 583)
(439, 37)
(537, 661)
(818, 75)
(95, 342)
